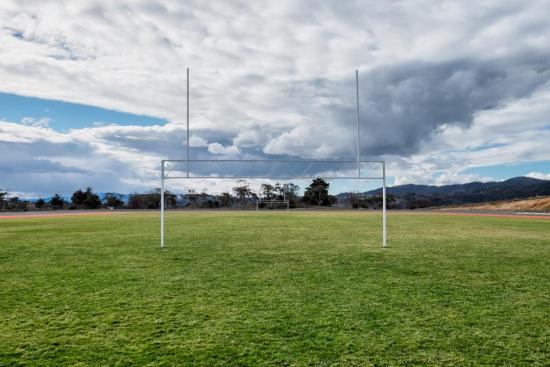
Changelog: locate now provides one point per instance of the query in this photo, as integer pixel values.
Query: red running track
(418, 212)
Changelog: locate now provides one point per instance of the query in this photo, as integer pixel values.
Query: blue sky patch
(506, 171)
(66, 115)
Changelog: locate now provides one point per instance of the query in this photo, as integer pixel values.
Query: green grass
(274, 289)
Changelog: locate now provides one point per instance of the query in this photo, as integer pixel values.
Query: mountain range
(412, 195)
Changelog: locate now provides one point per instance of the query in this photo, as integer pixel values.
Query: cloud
(197, 142)
(539, 175)
(38, 159)
(438, 94)
(514, 133)
(216, 148)
(41, 122)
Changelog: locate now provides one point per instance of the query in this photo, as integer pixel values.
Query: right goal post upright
(384, 213)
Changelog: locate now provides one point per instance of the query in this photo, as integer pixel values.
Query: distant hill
(416, 196)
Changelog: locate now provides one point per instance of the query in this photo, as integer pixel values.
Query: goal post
(285, 203)
(190, 169)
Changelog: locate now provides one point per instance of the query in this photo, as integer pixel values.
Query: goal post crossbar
(186, 174)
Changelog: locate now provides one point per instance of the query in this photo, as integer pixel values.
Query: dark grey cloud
(404, 105)
(42, 148)
(28, 166)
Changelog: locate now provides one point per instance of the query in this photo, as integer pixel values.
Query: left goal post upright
(187, 118)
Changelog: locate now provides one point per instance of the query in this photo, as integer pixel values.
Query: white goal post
(259, 202)
(190, 169)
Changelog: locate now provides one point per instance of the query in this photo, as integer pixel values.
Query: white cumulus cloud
(216, 148)
(197, 142)
(444, 86)
(40, 122)
(539, 175)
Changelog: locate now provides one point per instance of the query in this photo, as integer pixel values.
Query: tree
(243, 191)
(56, 202)
(86, 199)
(204, 199)
(135, 201)
(3, 195)
(208, 201)
(39, 203)
(152, 199)
(267, 191)
(113, 200)
(78, 198)
(291, 192)
(356, 200)
(224, 200)
(14, 204)
(170, 199)
(92, 200)
(317, 193)
(193, 197)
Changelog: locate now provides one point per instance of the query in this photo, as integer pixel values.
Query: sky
(93, 93)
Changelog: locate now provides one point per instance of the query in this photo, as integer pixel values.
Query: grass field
(274, 289)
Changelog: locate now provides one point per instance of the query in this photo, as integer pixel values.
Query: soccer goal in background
(272, 204)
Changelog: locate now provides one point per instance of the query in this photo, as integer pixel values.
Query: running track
(51, 214)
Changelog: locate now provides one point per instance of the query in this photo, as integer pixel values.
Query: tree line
(241, 196)
(80, 199)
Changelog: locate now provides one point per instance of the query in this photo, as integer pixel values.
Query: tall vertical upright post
(162, 204)
(187, 122)
(357, 118)
(384, 218)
